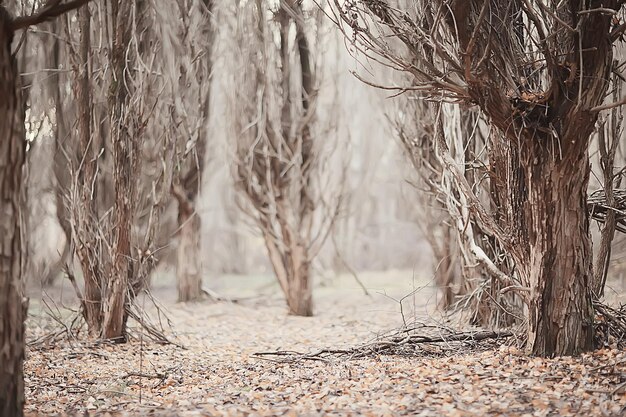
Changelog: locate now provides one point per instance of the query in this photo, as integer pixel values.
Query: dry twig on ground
(610, 325)
(598, 208)
(401, 342)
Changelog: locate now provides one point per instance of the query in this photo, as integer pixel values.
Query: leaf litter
(218, 374)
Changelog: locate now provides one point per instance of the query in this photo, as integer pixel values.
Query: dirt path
(217, 375)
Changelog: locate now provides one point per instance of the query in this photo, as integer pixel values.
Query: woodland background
(196, 169)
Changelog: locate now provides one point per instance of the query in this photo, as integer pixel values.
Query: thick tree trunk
(188, 264)
(560, 264)
(12, 151)
(552, 135)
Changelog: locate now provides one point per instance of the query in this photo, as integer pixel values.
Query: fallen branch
(598, 207)
(609, 325)
(391, 345)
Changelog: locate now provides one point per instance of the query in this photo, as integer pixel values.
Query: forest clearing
(218, 373)
(313, 207)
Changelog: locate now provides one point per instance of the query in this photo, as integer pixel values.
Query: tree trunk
(448, 277)
(188, 264)
(12, 151)
(299, 292)
(63, 159)
(552, 137)
(560, 265)
(125, 154)
(292, 268)
(86, 212)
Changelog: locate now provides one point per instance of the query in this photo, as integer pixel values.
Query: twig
(347, 266)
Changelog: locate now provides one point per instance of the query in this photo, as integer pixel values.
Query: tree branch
(53, 8)
(608, 106)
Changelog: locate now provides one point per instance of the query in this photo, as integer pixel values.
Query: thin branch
(608, 106)
(53, 8)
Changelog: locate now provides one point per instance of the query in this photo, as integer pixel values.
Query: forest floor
(216, 372)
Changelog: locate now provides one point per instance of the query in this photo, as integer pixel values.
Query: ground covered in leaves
(215, 372)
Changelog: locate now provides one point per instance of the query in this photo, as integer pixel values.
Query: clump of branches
(539, 73)
(187, 43)
(610, 326)
(115, 171)
(469, 263)
(416, 340)
(281, 148)
(601, 209)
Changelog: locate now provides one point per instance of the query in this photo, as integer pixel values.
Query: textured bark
(560, 270)
(550, 132)
(125, 154)
(12, 154)
(85, 218)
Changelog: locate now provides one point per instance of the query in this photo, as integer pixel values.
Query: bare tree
(119, 161)
(12, 249)
(189, 58)
(539, 72)
(86, 184)
(276, 152)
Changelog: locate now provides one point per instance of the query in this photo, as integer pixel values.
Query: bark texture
(560, 263)
(12, 154)
(85, 218)
(126, 156)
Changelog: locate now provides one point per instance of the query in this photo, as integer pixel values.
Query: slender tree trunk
(293, 272)
(299, 293)
(292, 265)
(448, 278)
(608, 143)
(125, 157)
(188, 265)
(86, 219)
(12, 154)
(64, 157)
